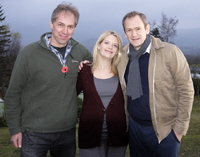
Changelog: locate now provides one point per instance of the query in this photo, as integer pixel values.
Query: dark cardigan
(91, 118)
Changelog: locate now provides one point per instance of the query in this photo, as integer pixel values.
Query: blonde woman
(102, 127)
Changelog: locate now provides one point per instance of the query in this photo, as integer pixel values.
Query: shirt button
(103, 109)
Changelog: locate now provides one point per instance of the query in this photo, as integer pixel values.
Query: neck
(56, 44)
(103, 70)
(104, 64)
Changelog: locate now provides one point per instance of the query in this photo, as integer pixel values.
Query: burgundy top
(92, 115)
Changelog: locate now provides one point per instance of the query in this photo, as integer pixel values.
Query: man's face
(62, 29)
(135, 31)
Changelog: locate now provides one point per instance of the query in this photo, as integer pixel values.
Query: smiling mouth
(63, 36)
(108, 51)
(135, 39)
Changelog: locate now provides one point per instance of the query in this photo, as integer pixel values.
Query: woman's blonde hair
(116, 58)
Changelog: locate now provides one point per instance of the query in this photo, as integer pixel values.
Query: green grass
(190, 145)
(6, 148)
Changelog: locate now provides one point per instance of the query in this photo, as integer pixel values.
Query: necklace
(62, 59)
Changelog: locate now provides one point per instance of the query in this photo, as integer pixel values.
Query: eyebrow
(109, 41)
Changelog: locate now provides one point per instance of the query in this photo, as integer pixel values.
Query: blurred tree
(10, 44)
(4, 35)
(166, 31)
(155, 32)
(15, 44)
(168, 28)
(4, 46)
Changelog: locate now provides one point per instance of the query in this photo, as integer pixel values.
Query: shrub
(79, 103)
(196, 82)
(3, 119)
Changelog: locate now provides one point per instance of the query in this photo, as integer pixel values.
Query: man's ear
(51, 25)
(125, 35)
(148, 29)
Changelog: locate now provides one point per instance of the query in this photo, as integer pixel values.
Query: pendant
(65, 69)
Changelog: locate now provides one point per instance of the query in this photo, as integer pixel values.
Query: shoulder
(29, 49)
(78, 45)
(80, 52)
(86, 67)
(32, 45)
(33, 49)
(165, 47)
(157, 43)
(86, 72)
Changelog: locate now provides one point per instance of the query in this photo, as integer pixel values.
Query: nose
(134, 33)
(65, 30)
(110, 46)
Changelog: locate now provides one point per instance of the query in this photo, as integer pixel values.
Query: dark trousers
(62, 144)
(144, 143)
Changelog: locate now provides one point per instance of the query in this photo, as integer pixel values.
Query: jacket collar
(157, 43)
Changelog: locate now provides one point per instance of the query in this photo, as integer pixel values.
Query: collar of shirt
(148, 49)
(59, 55)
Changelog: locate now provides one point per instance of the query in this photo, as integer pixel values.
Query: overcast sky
(31, 18)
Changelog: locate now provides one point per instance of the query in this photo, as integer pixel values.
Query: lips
(63, 37)
(108, 51)
(136, 39)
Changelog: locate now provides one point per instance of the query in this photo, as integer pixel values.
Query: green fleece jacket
(39, 97)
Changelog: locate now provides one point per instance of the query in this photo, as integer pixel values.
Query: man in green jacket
(41, 107)
(156, 78)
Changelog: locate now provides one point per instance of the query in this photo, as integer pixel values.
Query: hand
(81, 64)
(179, 137)
(17, 140)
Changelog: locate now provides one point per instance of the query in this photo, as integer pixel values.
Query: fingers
(179, 137)
(17, 140)
(81, 64)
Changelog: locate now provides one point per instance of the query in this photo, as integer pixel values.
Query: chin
(136, 47)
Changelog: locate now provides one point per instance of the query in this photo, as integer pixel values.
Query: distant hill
(188, 40)
(190, 50)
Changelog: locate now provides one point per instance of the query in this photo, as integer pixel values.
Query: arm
(79, 84)
(13, 95)
(81, 64)
(89, 57)
(181, 73)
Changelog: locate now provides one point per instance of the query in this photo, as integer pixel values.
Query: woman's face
(109, 47)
